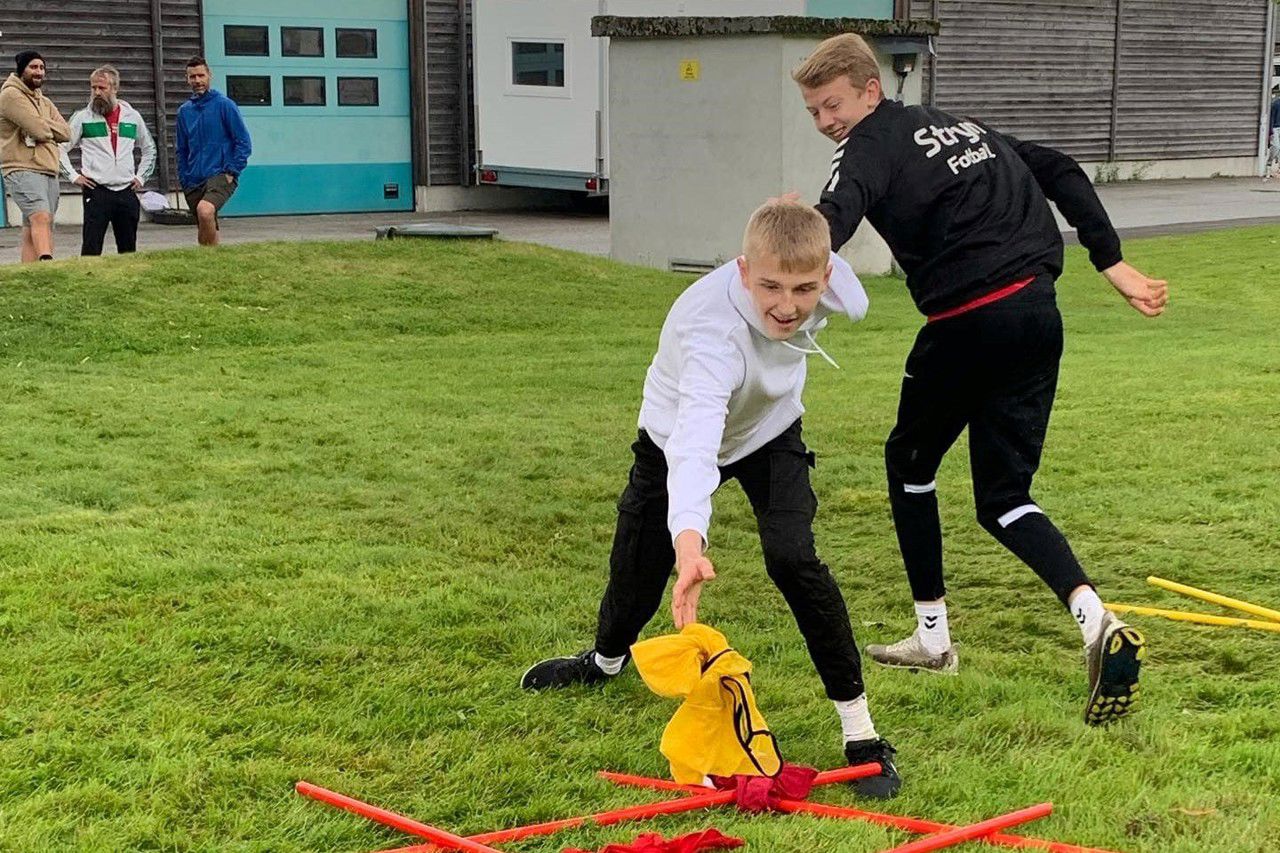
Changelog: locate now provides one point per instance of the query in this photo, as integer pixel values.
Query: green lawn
(308, 511)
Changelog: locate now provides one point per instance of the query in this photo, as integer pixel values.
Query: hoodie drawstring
(817, 350)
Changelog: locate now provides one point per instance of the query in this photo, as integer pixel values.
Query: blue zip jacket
(212, 139)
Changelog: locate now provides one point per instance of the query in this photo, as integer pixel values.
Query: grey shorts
(217, 191)
(33, 192)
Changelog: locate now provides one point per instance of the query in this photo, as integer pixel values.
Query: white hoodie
(719, 388)
(107, 168)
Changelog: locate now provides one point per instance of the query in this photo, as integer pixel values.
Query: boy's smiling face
(783, 300)
(838, 106)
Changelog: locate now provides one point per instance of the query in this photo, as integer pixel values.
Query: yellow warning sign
(690, 69)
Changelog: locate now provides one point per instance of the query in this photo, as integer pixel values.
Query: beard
(102, 105)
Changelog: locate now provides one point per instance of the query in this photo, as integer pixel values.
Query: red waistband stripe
(985, 299)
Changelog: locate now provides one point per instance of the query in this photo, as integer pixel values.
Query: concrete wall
(1146, 170)
(692, 159)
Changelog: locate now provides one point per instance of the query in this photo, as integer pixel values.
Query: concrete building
(707, 124)
(541, 81)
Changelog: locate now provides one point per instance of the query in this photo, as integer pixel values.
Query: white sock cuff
(611, 666)
(855, 719)
(1087, 609)
(1088, 593)
(932, 627)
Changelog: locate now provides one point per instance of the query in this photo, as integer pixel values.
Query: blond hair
(796, 233)
(108, 71)
(843, 55)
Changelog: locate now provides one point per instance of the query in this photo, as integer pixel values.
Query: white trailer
(541, 85)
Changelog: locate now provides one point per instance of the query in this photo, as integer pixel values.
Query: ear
(742, 269)
(875, 92)
(826, 276)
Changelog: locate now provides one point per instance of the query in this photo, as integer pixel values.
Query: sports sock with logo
(1087, 609)
(931, 625)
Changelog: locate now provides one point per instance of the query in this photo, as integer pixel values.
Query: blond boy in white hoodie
(722, 401)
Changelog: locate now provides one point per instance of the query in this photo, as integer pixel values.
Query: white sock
(855, 719)
(931, 625)
(611, 666)
(1087, 608)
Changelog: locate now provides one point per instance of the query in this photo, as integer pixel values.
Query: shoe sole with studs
(1116, 693)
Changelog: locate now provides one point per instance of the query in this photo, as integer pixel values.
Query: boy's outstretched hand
(692, 570)
(1147, 295)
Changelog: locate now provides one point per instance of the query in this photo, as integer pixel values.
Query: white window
(539, 66)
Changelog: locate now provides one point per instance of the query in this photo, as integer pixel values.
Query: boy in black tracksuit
(964, 210)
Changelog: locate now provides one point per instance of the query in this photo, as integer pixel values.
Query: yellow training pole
(1199, 618)
(1214, 598)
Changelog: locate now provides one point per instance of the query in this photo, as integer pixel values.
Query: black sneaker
(563, 672)
(886, 784)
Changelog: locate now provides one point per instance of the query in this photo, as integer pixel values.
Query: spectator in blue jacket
(213, 149)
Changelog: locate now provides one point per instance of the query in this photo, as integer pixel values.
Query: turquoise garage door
(326, 99)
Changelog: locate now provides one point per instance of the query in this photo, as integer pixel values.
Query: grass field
(282, 512)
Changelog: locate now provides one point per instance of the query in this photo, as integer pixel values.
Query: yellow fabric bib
(718, 730)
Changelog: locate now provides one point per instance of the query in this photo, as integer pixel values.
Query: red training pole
(847, 774)
(908, 824)
(961, 834)
(518, 832)
(911, 824)
(684, 804)
(651, 784)
(388, 818)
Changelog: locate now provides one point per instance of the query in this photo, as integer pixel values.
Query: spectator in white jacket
(722, 402)
(109, 132)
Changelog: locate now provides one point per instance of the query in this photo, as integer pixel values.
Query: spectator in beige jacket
(30, 129)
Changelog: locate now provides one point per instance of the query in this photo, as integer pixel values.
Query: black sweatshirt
(962, 207)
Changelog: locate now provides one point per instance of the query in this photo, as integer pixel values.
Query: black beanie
(24, 59)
